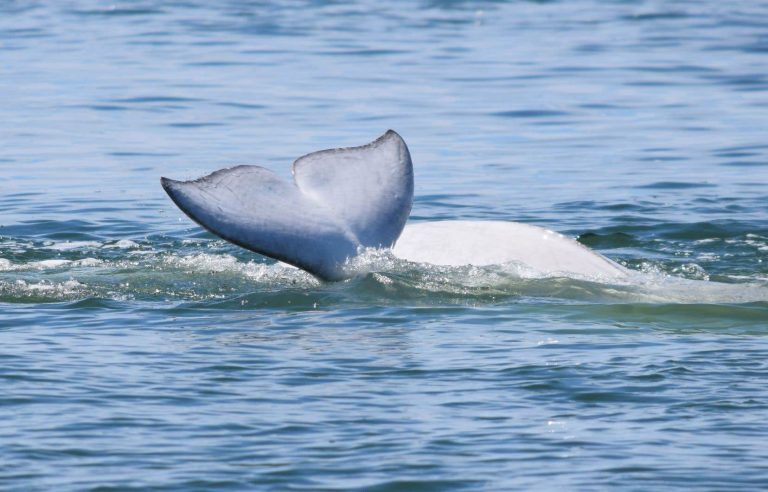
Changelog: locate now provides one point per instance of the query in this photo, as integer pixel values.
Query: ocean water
(138, 351)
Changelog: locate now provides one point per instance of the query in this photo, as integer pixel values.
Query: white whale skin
(482, 243)
(345, 200)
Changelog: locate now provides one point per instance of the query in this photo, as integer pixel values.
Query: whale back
(342, 199)
(370, 188)
(482, 243)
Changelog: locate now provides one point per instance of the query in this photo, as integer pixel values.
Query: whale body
(341, 201)
(346, 200)
(483, 243)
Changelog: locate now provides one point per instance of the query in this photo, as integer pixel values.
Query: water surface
(138, 351)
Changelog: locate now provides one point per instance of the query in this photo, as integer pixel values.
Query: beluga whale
(345, 201)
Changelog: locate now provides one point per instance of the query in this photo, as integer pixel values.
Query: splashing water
(127, 269)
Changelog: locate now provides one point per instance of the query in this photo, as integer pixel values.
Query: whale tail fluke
(370, 188)
(343, 199)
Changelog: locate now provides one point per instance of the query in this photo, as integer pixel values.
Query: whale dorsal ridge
(342, 199)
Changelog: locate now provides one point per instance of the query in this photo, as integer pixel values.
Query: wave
(179, 272)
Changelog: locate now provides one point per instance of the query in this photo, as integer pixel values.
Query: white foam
(224, 263)
(88, 262)
(48, 264)
(8, 266)
(71, 245)
(59, 289)
(122, 244)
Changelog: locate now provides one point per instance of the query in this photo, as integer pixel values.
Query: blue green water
(137, 351)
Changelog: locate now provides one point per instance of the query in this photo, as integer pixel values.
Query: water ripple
(139, 352)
